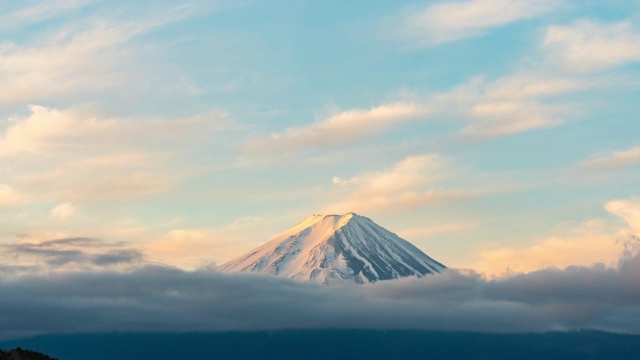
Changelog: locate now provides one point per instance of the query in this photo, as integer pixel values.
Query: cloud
(83, 57)
(338, 129)
(102, 178)
(61, 66)
(41, 254)
(454, 20)
(116, 257)
(510, 105)
(9, 196)
(41, 11)
(616, 159)
(628, 210)
(75, 155)
(192, 249)
(408, 184)
(588, 46)
(165, 299)
(63, 211)
(46, 131)
(390, 188)
(594, 241)
(504, 118)
(62, 284)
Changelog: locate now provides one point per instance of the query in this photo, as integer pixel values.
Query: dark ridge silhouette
(336, 344)
(20, 354)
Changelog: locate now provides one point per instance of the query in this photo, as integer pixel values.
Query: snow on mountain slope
(335, 248)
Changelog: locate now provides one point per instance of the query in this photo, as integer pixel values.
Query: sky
(498, 136)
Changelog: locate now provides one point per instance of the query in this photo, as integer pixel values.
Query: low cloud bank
(153, 298)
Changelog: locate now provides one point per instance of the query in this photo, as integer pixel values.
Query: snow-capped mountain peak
(336, 248)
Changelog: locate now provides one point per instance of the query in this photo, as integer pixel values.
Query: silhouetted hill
(336, 344)
(20, 354)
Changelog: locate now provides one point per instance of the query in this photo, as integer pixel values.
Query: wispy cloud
(454, 20)
(338, 129)
(63, 211)
(614, 160)
(75, 155)
(41, 11)
(48, 131)
(588, 46)
(62, 65)
(628, 210)
(594, 241)
(413, 182)
(101, 178)
(401, 185)
(205, 248)
(509, 105)
(513, 104)
(9, 196)
(44, 254)
(76, 59)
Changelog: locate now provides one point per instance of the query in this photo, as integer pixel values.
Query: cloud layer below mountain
(166, 299)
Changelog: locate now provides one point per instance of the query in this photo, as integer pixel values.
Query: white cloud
(616, 159)
(589, 46)
(63, 211)
(75, 155)
(513, 104)
(48, 131)
(408, 173)
(9, 196)
(64, 65)
(590, 243)
(41, 11)
(411, 183)
(495, 119)
(46, 128)
(594, 241)
(454, 20)
(75, 60)
(510, 105)
(191, 249)
(110, 177)
(628, 210)
(338, 129)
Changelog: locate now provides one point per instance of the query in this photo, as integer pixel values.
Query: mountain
(336, 248)
(338, 345)
(20, 354)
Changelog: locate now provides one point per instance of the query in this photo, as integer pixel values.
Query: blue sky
(496, 135)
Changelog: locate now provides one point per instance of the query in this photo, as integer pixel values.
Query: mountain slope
(334, 248)
(20, 354)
